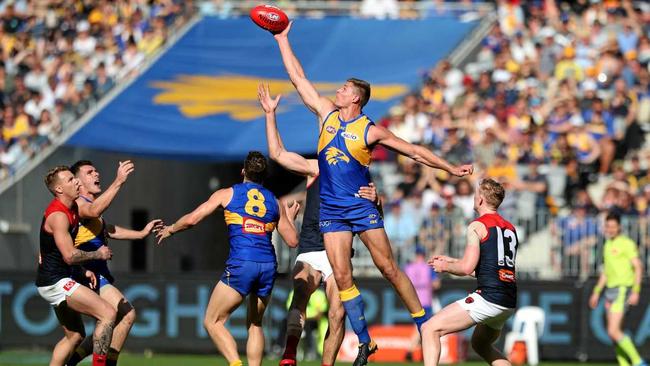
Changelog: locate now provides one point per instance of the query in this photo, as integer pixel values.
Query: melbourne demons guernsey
(311, 239)
(51, 266)
(495, 270)
(91, 236)
(251, 217)
(344, 160)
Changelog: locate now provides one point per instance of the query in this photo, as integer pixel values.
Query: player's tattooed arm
(57, 224)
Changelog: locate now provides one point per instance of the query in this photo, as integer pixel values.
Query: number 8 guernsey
(251, 217)
(495, 271)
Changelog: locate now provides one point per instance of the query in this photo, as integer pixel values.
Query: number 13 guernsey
(343, 161)
(495, 271)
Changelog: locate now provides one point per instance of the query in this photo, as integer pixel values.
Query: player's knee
(613, 331)
(129, 317)
(76, 337)
(432, 328)
(107, 313)
(389, 270)
(343, 279)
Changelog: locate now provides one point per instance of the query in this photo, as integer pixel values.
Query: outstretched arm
(286, 225)
(121, 233)
(100, 204)
(289, 160)
(421, 154)
(466, 265)
(317, 104)
(220, 198)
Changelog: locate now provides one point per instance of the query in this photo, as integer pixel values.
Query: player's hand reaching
(284, 34)
(439, 265)
(153, 226)
(123, 170)
(634, 299)
(441, 258)
(164, 233)
(369, 192)
(463, 170)
(92, 279)
(291, 208)
(264, 95)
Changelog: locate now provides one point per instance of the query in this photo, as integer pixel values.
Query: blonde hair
(492, 191)
(52, 177)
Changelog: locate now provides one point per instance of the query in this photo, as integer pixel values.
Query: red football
(270, 18)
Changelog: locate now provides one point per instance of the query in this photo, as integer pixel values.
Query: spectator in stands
(434, 234)
(401, 228)
(578, 236)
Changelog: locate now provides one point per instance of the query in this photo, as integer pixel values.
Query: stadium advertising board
(170, 314)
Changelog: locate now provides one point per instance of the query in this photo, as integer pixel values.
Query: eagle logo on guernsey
(252, 226)
(334, 155)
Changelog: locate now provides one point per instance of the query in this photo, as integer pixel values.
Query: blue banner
(199, 101)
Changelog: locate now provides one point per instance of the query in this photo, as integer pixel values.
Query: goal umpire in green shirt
(621, 278)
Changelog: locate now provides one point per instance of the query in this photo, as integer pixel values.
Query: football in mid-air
(270, 18)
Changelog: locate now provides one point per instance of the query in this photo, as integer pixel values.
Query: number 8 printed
(255, 205)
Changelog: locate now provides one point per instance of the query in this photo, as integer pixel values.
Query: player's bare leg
(254, 316)
(87, 302)
(336, 323)
(338, 246)
(483, 343)
(305, 281)
(450, 319)
(223, 302)
(74, 333)
(123, 322)
(377, 243)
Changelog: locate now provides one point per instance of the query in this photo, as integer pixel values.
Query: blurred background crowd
(58, 58)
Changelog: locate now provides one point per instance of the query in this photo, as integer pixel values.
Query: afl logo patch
(273, 16)
(469, 300)
(349, 136)
(330, 129)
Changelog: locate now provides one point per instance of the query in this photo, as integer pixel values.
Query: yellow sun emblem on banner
(236, 95)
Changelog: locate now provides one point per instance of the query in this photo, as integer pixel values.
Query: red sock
(99, 360)
(292, 344)
(324, 364)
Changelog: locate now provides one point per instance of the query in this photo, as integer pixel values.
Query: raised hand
(291, 208)
(123, 170)
(153, 226)
(264, 95)
(284, 33)
(92, 279)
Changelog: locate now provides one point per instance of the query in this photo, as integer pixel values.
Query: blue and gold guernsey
(344, 161)
(90, 237)
(251, 216)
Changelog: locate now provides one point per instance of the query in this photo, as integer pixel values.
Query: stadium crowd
(556, 104)
(60, 57)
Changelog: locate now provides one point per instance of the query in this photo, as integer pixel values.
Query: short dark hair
(613, 216)
(76, 166)
(363, 89)
(255, 167)
(52, 177)
(492, 191)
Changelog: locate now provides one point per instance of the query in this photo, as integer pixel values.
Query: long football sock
(621, 357)
(628, 347)
(420, 318)
(353, 304)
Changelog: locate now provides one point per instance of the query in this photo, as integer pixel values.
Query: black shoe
(365, 350)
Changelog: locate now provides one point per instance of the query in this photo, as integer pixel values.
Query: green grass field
(27, 358)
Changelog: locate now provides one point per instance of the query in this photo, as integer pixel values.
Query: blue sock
(420, 318)
(353, 304)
